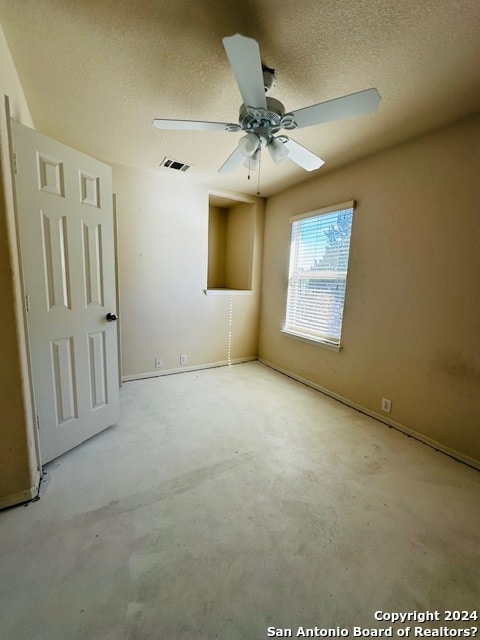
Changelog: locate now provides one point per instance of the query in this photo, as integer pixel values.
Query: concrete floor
(231, 500)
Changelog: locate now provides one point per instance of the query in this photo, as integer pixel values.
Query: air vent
(174, 164)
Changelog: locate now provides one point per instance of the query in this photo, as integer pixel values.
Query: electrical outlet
(183, 359)
(386, 405)
(158, 363)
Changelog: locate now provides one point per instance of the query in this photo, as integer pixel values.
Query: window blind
(319, 252)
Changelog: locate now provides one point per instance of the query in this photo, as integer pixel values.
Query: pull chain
(250, 171)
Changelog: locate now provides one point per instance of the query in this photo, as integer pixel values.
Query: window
(317, 277)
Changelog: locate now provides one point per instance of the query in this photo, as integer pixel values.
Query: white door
(66, 226)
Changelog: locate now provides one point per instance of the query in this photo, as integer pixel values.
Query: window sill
(228, 292)
(311, 340)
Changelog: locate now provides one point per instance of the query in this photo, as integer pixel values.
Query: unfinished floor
(233, 500)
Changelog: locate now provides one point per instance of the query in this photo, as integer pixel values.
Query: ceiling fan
(262, 117)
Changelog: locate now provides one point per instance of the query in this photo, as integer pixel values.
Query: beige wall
(412, 311)
(18, 475)
(163, 257)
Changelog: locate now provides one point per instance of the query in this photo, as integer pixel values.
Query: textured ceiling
(95, 74)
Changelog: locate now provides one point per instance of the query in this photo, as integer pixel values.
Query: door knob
(111, 317)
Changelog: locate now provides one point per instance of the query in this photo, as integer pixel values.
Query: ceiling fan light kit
(278, 151)
(252, 163)
(262, 117)
(248, 145)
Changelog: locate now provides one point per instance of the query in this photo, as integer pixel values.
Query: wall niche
(231, 238)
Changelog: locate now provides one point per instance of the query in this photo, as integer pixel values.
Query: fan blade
(354, 104)
(301, 156)
(194, 125)
(244, 57)
(232, 162)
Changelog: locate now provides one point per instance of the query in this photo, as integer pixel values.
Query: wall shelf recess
(231, 237)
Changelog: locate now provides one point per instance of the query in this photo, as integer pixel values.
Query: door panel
(66, 225)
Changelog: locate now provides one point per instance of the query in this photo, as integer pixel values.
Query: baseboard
(23, 496)
(438, 446)
(198, 367)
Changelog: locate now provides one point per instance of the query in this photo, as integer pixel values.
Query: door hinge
(38, 423)
(27, 303)
(15, 164)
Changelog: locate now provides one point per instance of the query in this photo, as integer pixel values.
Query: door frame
(29, 408)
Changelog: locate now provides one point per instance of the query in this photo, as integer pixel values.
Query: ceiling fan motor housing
(269, 120)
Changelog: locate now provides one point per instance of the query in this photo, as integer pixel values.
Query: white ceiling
(96, 72)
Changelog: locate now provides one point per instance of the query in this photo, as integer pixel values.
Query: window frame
(297, 331)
